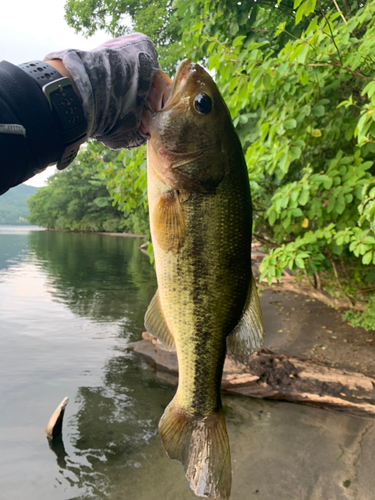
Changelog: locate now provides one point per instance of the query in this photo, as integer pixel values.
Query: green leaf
(318, 111)
(295, 153)
(304, 197)
(366, 259)
(289, 124)
(272, 217)
(286, 222)
(299, 13)
(297, 212)
(239, 39)
(327, 184)
(299, 262)
(233, 28)
(301, 58)
(340, 204)
(369, 89)
(280, 129)
(267, 81)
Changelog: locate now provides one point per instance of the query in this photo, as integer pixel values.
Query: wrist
(65, 107)
(59, 66)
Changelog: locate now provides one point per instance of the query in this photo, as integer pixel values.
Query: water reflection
(75, 345)
(105, 279)
(13, 244)
(13, 249)
(68, 308)
(115, 430)
(101, 277)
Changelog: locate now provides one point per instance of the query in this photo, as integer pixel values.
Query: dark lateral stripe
(203, 365)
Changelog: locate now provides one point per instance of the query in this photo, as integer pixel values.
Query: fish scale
(200, 221)
(213, 297)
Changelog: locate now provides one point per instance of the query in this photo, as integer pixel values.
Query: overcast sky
(30, 29)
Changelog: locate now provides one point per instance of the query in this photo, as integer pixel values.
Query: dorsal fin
(155, 323)
(168, 222)
(248, 334)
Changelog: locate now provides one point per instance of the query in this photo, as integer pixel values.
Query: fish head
(190, 137)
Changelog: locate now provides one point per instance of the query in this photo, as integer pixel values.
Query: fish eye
(203, 104)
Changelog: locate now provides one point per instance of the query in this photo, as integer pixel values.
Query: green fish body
(200, 219)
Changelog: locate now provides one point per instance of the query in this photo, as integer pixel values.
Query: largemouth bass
(206, 303)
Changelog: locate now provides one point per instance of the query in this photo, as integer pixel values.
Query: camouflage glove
(114, 81)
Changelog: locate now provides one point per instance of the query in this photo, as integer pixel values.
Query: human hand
(114, 81)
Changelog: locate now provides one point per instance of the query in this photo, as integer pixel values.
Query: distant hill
(13, 205)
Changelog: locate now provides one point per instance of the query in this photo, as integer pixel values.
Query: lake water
(69, 304)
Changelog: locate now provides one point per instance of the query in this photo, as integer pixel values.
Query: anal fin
(155, 323)
(248, 335)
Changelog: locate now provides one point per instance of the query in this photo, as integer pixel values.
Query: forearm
(47, 110)
(30, 138)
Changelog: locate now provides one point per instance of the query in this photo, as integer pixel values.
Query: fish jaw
(193, 149)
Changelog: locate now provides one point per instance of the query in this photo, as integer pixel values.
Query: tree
(299, 82)
(77, 199)
(155, 19)
(304, 110)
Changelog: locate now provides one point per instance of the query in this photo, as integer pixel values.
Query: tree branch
(331, 35)
(338, 8)
(261, 239)
(339, 282)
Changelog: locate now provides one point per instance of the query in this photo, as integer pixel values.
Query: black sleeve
(36, 141)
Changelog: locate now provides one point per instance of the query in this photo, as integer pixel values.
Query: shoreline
(123, 235)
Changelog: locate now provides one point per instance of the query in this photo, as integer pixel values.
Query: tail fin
(202, 445)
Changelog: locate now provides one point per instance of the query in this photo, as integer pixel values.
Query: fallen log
(265, 374)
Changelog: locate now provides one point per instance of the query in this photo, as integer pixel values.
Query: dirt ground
(304, 327)
(291, 451)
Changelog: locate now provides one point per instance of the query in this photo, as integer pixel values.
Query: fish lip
(183, 71)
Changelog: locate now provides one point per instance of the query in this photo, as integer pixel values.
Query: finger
(123, 41)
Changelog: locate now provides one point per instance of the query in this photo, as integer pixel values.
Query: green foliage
(365, 319)
(76, 199)
(152, 18)
(126, 180)
(367, 207)
(13, 204)
(298, 79)
(304, 110)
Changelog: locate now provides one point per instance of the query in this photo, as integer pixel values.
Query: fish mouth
(185, 69)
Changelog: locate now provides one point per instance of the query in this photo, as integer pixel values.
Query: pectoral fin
(248, 334)
(155, 323)
(168, 222)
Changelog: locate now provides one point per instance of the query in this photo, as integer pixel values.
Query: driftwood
(55, 423)
(265, 374)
